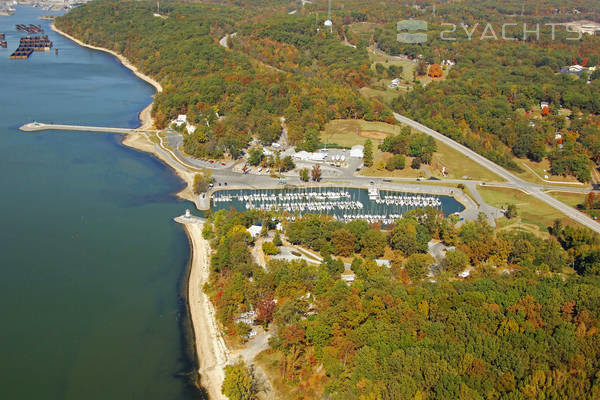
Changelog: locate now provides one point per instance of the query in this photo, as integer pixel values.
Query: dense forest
(231, 96)
(283, 65)
(521, 326)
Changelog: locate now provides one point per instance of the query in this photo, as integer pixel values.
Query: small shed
(357, 151)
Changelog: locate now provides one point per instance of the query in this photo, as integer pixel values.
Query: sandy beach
(211, 351)
(209, 341)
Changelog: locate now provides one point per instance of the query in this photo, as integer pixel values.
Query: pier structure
(38, 126)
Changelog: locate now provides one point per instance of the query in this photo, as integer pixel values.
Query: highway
(512, 180)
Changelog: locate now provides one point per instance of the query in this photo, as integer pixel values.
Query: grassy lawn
(348, 132)
(362, 31)
(533, 214)
(408, 66)
(384, 95)
(541, 169)
(351, 132)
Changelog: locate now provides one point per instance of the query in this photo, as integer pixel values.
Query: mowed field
(351, 132)
(533, 215)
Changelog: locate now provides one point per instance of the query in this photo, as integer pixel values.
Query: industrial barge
(30, 29)
(29, 44)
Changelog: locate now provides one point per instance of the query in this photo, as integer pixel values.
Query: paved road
(516, 182)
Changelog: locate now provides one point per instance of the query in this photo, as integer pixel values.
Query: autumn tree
(316, 173)
(435, 71)
(343, 242)
(264, 312)
(269, 248)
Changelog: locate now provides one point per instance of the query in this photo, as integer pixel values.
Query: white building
(181, 119)
(348, 276)
(306, 156)
(576, 68)
(254, 230)
(357, 151)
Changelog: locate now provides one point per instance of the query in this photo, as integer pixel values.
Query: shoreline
(208, 338)
(146, 121)
(211, 353)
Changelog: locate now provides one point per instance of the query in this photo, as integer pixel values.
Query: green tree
(239, 382)
(373, 243)
(416, 163)
(270, 249)
(255, 156)
(304, 176)
(397, 161)
(287, 164)
(409, 236)
(417, 266)
(455, 261)
(368, 153)
(511, 211)
(202, 181)
(277, 239)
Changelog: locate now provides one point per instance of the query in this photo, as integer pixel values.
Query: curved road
(514, 181)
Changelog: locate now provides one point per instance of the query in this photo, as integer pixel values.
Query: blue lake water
(91, 263)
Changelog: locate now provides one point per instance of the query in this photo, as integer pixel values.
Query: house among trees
(574, 69)
(348, 276)
(181, 119)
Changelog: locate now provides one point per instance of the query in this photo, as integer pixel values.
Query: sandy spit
(210, 345)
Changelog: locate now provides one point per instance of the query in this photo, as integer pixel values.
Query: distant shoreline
(210, 349)
(121, 58)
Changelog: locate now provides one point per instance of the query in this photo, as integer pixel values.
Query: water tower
(328, 23)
